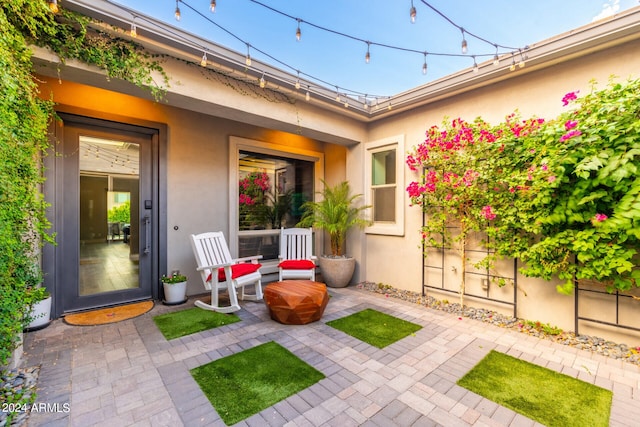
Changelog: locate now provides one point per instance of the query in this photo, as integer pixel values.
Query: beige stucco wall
(397, 260)
(197, 161)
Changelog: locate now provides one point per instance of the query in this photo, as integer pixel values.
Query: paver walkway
(127, 373)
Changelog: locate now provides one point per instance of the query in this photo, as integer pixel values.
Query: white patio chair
(219, 271)
(296, 254)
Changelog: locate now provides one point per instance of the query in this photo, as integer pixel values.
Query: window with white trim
(384, 177)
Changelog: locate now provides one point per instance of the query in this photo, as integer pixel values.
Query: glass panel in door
(109, 252)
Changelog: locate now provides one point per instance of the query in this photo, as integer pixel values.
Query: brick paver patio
(127, 374)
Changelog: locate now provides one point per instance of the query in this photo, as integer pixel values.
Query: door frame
(52, 255)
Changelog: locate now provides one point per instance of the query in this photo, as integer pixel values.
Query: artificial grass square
(248, 382)
(375, 328)
(186, 322)
(546, 396)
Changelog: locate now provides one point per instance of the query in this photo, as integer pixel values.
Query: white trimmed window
(384, 177)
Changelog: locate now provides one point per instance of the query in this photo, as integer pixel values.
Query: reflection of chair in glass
(219, 271)
(114, 230)
(296, 254)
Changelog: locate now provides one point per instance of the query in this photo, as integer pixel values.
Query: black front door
(104, 214)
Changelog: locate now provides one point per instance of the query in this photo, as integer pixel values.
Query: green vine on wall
(24, 138)
(562, 195)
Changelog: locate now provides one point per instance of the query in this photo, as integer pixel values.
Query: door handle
(147, 234)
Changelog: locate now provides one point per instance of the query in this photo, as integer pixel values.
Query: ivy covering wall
(24, 122)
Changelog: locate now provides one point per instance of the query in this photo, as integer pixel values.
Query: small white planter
(41, 315)
(175, 293)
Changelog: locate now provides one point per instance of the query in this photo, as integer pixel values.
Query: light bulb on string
(346, 103)
(424, 65)
(203, 61)
(177, 12)
(263, 82)
(134, 30)
(298, 32)
(464, 42)
(475, 65)
(512, 67)
(367, 57)
(412, 13)
(307, 96)
(496, 60)
(521, 62)
(247, 59)
(53, 6)
(298, 81)
(337, 95)
(212, 6)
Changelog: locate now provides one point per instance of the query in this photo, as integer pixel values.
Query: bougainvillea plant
(591, 230)
(562, 195)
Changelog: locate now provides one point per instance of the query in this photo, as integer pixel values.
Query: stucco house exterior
(192, 148)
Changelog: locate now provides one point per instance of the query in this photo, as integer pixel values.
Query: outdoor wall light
(53, 6)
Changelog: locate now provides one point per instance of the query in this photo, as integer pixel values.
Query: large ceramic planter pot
(175, 293)
(41, 315)
(337, 271)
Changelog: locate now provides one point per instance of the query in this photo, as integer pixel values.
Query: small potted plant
(336, 213)
(175, 288)
(38, 315)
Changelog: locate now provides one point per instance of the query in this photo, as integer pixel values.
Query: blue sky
(338, 61)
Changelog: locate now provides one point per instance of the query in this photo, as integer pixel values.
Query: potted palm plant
(336, 213)
(175, 288)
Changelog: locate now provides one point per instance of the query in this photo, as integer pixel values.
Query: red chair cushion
(297, 264)
(237, 270)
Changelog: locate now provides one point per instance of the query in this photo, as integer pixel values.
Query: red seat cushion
(237, 270)
(297, 264)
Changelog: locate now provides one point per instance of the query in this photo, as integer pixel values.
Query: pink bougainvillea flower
(544, 167)
(599, 217)
(571, 96)
(570, 134)
(570, 124)
(551, 178)
(488, 213)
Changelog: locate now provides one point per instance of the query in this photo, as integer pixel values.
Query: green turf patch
(245, 383)
(546, 396)
(375, 328)
(185, 322)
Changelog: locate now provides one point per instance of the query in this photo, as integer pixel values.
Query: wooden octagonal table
(296, 302)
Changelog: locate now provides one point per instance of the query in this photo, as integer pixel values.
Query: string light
(263, 82)
(247, 59)
(464, 42)
(424, 65)
(369, 43)
(337, 95)
(412, 13)
(496, 59)
(203, 62)
(298, 81)
(212, 6)
(134, 30)
(521, 63)
(307, 96)
(475, 65)
(512, 67)
(367, 57)
(53, 6)
(298, 32)
(177, 12)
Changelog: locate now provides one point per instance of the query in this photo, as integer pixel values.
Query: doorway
(103, 188)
